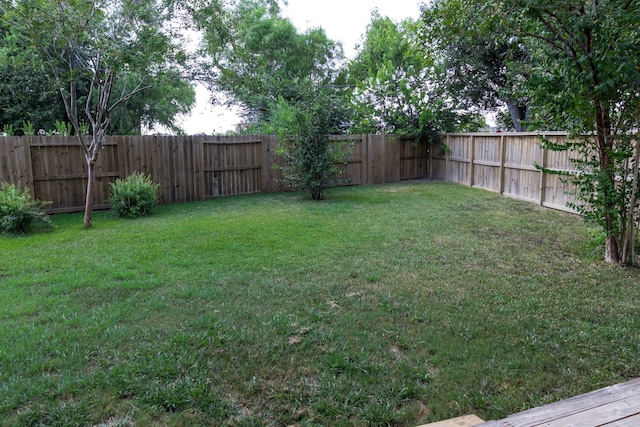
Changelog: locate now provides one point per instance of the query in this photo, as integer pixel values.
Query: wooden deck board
(625, 422)
(617, 405)
(464, 421)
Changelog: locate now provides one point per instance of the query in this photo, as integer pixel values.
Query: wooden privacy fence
(189, 168)
(505, 163)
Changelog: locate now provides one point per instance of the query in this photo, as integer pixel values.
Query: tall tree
(485, 62)
(393, 89)
(587, 77)
(91, 43)
(259, 57)
(27, 92)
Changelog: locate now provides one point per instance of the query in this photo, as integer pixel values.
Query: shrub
(304, 127)
(134, 196)
(19, 213)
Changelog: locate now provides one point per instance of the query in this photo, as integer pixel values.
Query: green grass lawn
(383, 305)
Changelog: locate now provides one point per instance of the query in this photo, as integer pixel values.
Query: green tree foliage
(485, 63)
(168, 97)
(392, 89)
(89, 44)
(27, 92)
(304, 127)
(587, 77)
(256, 57)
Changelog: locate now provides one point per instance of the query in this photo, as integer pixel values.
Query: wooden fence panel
(273, 178)
(486, 151)
(414, 158)
(351, 172)
(15, 162)
(233, 165)
(554, 190)
(60, 172)
(384, 159)
(504, 163)
(107, 171)
(438, 158)
(521, 178)
(354, 168)
(178, 169)
(458, 160)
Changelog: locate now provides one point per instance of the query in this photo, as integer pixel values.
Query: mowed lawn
(383, 305)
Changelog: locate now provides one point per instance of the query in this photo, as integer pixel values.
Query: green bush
(134, 196)
(19, 213)
(304, 127)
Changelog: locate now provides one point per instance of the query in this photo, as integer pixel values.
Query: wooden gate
(414, 158)
(232, 166)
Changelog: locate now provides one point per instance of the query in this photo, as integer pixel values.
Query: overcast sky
(346, 20)
(342, 20)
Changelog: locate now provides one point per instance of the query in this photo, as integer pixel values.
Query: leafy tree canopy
(259, 57)
(485, 62)
(29, 92)
(393, 85)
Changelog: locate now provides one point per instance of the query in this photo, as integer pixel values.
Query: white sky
(343, 20)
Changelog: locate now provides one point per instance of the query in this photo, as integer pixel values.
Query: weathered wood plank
(632, 421)
(575, 406)
(464, 421)
(601, 415)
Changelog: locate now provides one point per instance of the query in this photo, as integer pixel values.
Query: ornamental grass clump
(134, 196)
(19, 212)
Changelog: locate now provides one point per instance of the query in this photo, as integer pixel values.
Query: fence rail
(188, 168)
(505, 163)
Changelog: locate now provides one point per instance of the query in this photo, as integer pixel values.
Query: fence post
(266, 162)
(120, 149)
(198, 161)
(366, 154)
(430, 159)
(472, 155)
(28, 166)
(447, 155)
(503, 150)
(542, 173)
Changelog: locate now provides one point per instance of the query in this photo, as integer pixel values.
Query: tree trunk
(630, 231)
(88, 205)
(518, 115)
(605, 145)
(612, 254)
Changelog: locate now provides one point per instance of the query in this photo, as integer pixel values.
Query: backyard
(383, 305)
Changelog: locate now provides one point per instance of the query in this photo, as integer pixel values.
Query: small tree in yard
(304, 127)
(587, 80)
(92, 43)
